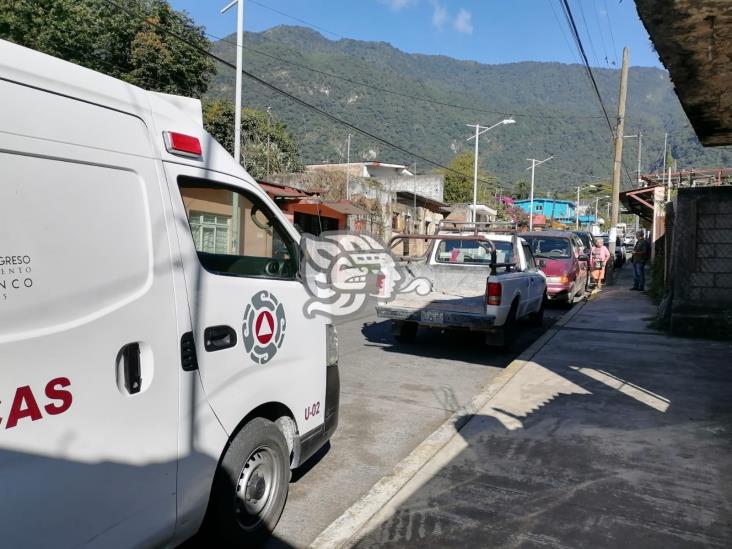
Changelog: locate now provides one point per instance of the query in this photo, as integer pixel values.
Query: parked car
(620, 256)
(481, 281)
(586, 239)
(562, 257)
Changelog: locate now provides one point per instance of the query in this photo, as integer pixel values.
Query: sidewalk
(610, 435)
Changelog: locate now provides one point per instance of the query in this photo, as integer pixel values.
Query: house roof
(423, 201)
(282, 191)
(552, 200)
(693, 38)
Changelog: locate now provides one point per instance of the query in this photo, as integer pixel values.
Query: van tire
(257, 460)
(407, 332)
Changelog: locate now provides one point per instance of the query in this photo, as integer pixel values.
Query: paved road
(392, 397)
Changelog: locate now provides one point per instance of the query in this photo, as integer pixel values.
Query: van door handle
(216, 338)
(131, 368)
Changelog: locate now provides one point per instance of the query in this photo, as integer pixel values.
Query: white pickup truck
(482, 279)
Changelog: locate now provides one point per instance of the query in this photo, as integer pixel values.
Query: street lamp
(533, 166)
(576, 210)
(597, 201)
(480, 130)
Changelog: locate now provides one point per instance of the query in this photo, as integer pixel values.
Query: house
(551, 208)
(311, 213)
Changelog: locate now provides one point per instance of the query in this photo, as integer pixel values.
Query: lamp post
(238, 157)
(479, 130)
(597, 201)
(533, 166)
(576, 210)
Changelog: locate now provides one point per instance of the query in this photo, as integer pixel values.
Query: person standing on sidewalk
(641, 255)
(599, 256)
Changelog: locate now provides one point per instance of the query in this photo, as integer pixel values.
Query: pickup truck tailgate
(439, 309)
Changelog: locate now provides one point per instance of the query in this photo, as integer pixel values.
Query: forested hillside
(552, 103)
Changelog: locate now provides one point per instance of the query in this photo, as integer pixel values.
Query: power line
(612, 37)
(589, 34)
(311, 25)
(394, 92)
(564, 34)
(578, 40)
(599, 28)
(288, 95)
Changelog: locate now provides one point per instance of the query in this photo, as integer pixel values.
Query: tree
(522, 190)
(265, 142)
(459, 186)
(96, 35)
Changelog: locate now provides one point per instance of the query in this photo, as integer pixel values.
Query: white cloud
(439, 14)
(463, 22)
(397, 5)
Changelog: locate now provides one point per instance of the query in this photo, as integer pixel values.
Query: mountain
(553, 104)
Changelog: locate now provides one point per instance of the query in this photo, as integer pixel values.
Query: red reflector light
(182, 144)
(493, 293)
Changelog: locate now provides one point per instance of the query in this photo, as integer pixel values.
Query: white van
(157, 371)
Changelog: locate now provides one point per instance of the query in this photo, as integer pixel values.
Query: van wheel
(407, 332)
(250, 486)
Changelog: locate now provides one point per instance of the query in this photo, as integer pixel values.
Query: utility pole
(269, 116)
(640, 144)
(348, 167)
(479, 130)
(665, 145)
(533, 166)
(238, 156)
(416, 218)
(239, 67)
(617, 164)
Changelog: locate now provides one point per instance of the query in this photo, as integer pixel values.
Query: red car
(560, 255)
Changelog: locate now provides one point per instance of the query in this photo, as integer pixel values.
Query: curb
(345, 527)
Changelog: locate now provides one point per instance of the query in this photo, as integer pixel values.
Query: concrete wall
(700, 261)
(429, 186)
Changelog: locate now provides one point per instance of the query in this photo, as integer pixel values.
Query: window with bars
(210, 232)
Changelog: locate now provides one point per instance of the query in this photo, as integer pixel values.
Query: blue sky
(489, 31)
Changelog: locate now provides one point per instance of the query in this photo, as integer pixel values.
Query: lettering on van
(264, 326)
(15, 274)
(26, 407)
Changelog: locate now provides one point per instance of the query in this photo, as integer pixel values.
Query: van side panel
(88, 450)
(65, 120)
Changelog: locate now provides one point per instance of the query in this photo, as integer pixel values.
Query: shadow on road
(585, 451)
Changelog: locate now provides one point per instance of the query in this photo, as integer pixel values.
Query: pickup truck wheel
(537, 318)
(509, 328)
(250, 486)
(407, 332)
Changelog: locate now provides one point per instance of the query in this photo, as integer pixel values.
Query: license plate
(434, 317)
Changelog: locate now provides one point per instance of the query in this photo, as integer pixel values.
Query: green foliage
(522, 189)
(267, 145)
(98, 36)
(582, 146)
(459, 186)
